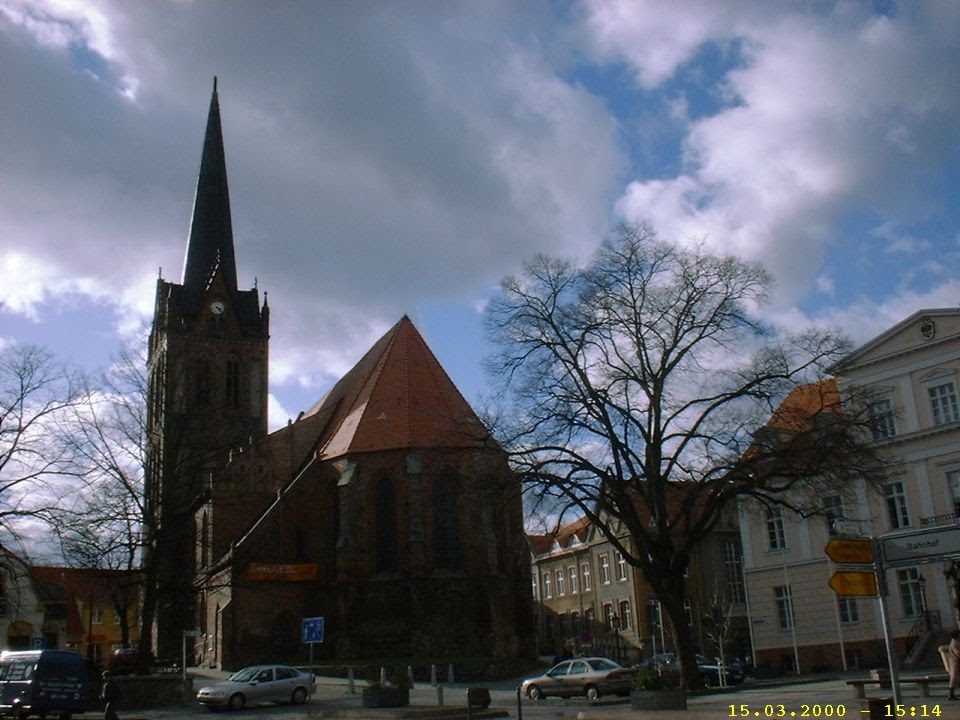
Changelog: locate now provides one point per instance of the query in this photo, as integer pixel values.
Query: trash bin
(478, 697)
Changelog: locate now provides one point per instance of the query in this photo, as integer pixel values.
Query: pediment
(925, 328)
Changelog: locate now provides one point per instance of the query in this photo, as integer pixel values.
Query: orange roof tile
(801, 406)
(396, 396)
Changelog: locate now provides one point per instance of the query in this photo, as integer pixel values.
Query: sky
(390, 158)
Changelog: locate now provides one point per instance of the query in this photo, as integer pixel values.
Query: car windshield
(245, 675)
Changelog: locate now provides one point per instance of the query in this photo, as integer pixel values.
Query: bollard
(519, 704)
(410, 676)
(440, 695)
(450, 678)
(351, 681)
(433, 675)
(383, 676)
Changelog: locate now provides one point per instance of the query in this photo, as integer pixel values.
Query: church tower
(207, 393)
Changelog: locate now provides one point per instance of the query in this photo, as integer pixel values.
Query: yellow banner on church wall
(282, 572)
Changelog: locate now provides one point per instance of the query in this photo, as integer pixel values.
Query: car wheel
(236, 702)
(591, 692)
(299, 696)
(534, 693)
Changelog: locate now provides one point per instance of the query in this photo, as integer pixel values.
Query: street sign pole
(884, 618)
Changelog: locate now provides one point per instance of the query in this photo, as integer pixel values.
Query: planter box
(383, 697)
(659, 699)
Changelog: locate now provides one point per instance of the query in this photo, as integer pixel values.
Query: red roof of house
(563, 536)
(396, 396)
(800, 408)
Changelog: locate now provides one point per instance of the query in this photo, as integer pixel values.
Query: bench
(923, 682)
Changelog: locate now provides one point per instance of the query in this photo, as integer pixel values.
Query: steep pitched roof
(210, 246)
(396, 396)
(804, 404)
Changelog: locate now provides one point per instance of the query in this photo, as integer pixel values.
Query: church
(387, 509)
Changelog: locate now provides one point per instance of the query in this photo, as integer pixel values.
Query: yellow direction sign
(854, 582)
(850, 551)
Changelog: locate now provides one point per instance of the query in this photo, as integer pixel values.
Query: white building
(798, 623)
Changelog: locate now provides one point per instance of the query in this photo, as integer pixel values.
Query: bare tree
(632, 388)
(100, 529)
(36, 391)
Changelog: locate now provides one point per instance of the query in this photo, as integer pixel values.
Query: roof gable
(924, 327)
(396, 396)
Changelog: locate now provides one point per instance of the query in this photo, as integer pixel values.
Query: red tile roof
(563, 536)
(800, 408)
(396, 396)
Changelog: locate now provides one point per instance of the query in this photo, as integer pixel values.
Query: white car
(258, 684)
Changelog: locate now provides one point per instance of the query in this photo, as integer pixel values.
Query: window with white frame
(626, 616)
(953, 482)
(688, 610)
(943, 403)
(911, 592)
(536, 590)
(883, 422)
(833, 511)
(621, 567)
(585, 574)
(560, 592)
(547, 592)
(784, 606)
(98, 616)
(572, 576)
(733, 562)
(775, 536)
(608, 615)
(896, 498)
(605, 569)
(849, 612)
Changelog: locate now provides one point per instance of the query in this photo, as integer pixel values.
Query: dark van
(42, 682)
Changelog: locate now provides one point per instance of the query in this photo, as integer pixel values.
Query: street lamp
(615, 621)
(923, 603)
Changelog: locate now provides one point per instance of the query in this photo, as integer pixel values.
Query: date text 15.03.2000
(888, 710)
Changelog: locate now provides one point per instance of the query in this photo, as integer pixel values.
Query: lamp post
(615, 622)
(923, 603)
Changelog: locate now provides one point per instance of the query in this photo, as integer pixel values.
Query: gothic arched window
(232, 384)
(447, 552)
(386, 526)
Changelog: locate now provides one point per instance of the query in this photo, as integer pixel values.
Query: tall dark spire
(211, 234)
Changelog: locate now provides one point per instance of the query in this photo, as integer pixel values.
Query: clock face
(217, 307)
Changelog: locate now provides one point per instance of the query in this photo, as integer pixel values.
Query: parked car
(43, 682)
(258, 684)
(660, 661)
(710, 672)
(587, 676)
(125, 661)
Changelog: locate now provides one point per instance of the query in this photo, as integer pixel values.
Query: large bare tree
(633, 387)
(101, 527)
(36, 392)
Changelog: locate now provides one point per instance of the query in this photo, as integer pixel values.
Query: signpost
(312, 631)
(854, 582)
(850, 551)
(921, 546)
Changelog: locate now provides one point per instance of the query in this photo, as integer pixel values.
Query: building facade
(799, 624)
(67, 608)
(387, 509)
(590, 600)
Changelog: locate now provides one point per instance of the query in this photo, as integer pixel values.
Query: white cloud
(771, 176)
